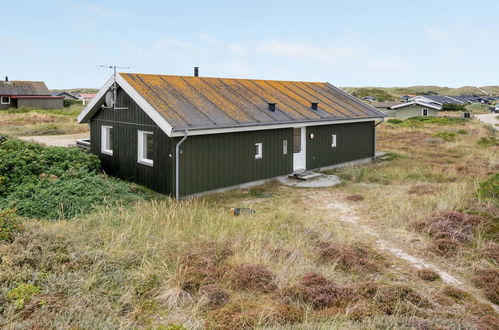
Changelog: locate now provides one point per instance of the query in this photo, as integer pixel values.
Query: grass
(32, 122)
(397, 92)
(295, 262)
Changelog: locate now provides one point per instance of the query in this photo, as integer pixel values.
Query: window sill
(147, 162)
(107, 152)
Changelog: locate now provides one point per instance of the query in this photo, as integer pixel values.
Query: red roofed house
(27, 94)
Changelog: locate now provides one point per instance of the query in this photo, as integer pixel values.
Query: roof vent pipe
(314, 105)
(272, 107)
(6, 78)
(196, 71)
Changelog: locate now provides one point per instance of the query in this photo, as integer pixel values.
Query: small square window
(107, 140)
(285, 147)
(333, 141)
(5, 100)
(258, 150)
(145, 147)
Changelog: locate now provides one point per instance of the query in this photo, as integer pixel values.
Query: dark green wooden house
(185, 136)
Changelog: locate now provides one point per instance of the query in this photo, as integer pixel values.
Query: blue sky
(347, 43)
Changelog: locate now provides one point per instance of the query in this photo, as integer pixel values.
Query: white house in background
(86, 97)
(408, 109)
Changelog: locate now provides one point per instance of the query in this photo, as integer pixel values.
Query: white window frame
(284, 147)
(1, 99)
(259, 150)
(422, 112)
(104, 139)
(333, 140)
(141, 143)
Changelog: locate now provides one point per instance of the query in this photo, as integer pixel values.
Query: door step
(305, 175)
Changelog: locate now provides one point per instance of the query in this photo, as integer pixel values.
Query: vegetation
(397, 92)
(308, 258)
(379, 94)
(32, 122)
(453, 107)
(54, 182)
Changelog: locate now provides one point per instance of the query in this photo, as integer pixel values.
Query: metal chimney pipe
(196, 71)
(6, 78)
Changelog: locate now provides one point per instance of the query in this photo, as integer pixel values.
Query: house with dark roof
(27, 94)
(65, 95)
(404, 110)
(436, 99)
(185, 136)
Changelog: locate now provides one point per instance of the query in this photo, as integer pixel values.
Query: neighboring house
(436, 99)
(27, 94)
(65, 95)
(86, 97)
(184, 136)
(369, 98)
(406, 110)
(407, 97)
(413, 109)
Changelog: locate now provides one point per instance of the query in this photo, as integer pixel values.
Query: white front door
(299, 148)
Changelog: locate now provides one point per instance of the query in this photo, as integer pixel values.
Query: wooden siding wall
(40, 103)
(221, 160)
(124, 161)
(353, 141)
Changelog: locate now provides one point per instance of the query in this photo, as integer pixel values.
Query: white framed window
(145, 147)
(5, 100)
(424, 112)
(258, 150)
(333, 141)
(107, 140)
(284, 147)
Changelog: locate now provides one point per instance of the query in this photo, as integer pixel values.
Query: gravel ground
(489, 119)
(318, 182)
(65, 140)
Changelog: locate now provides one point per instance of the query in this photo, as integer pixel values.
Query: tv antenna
(111, 95)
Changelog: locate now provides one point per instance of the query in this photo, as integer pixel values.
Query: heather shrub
(427, 274)
(215, 296)
(351, 258)
(256, 278)
(488, 280)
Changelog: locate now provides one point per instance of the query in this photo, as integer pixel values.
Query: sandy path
(57, 140)
(343, 212)
(489, 119)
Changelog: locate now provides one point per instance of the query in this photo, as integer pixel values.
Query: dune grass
(295, 263)
(33, 122)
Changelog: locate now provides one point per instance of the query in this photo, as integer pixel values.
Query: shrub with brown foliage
(449, 229)
(453, 292)
(355, 198)
(351, 258)
(215, 296)
(428, 274)
(256, 278)
(492, 251)
(202, 265)
(315, 289)
(229, 318)
(391, 299)
(488, 280)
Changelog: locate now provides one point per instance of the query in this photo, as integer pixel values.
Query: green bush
(453, 107)
(55, 182)
(424, 120)
(75, 192)
(446, 136)
(23, 161)
(9, 224)
(394, 121)
(489, 189)
(67, 103)
(488, 141)
(22, 294)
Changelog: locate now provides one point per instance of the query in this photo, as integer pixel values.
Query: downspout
(177, 165)
(382, 120)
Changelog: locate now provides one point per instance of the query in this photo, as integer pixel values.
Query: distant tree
(453, 107)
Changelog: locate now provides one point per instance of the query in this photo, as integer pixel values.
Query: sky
(347, 43)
